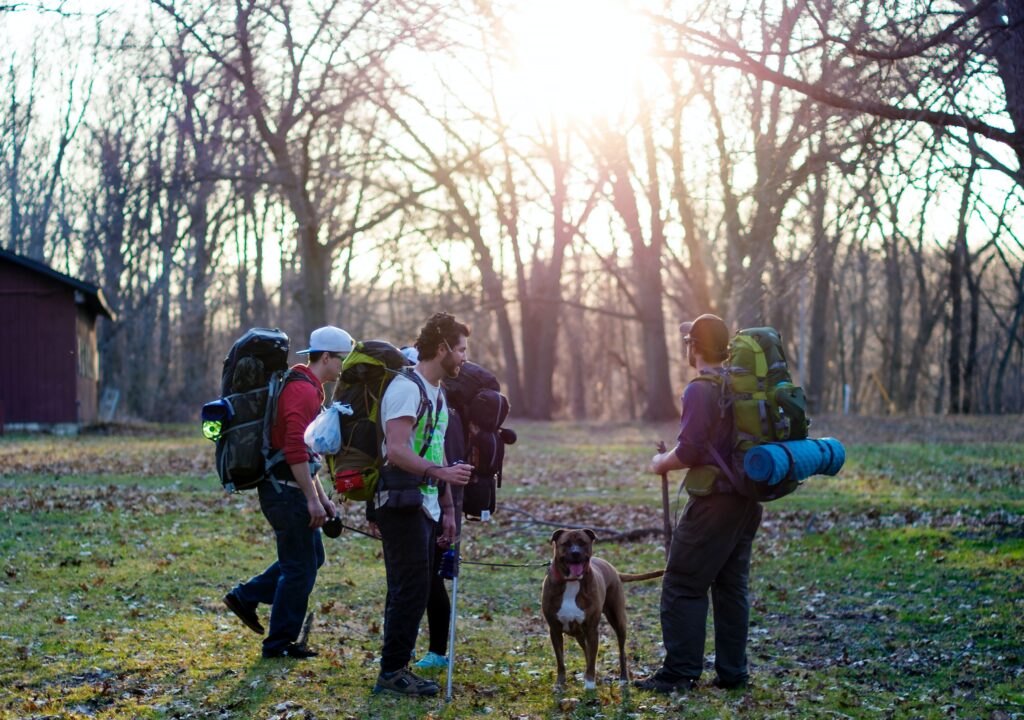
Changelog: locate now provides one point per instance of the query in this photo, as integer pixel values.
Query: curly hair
(441, 328)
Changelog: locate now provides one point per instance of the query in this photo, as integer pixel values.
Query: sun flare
(578, 58)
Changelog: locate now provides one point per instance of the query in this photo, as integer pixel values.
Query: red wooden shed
(49, 369)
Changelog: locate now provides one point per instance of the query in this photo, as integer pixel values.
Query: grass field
(895, 590)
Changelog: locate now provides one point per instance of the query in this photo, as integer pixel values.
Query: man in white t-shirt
(415, 485)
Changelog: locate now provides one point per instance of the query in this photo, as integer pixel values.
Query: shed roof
(93, 296)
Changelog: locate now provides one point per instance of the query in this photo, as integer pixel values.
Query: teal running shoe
(431, 660)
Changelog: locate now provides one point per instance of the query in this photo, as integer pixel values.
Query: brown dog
(576, 590)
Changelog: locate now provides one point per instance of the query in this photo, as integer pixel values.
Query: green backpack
(766, 405)
(366, 373)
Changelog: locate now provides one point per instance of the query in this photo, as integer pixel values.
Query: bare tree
(306, 72)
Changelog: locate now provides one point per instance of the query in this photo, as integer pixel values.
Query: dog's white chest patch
(570, 611)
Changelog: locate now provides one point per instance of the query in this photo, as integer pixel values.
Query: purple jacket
(703, 421)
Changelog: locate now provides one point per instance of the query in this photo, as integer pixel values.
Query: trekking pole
(304, 633)
(665, 504)
(450, 569)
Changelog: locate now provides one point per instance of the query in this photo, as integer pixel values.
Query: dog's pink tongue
(576, 570)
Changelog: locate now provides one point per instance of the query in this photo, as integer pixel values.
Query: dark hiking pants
(408, 539)
(710, 550)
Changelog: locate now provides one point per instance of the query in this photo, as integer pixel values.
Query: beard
(450, 367)
(691, 358)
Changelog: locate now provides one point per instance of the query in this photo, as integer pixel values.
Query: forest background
(572, 179)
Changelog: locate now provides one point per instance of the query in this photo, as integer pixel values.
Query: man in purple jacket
(711, 544)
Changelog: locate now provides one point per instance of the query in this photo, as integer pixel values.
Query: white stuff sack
(323, 436)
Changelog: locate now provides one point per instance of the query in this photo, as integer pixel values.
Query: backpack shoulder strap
(725, 401)
(425, 404)
(293, 374)
(277, 385)
(278, 382)
(424, 408)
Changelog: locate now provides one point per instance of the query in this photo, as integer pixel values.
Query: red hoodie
(299, 403)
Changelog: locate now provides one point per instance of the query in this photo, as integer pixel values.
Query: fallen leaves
(85, 456)
(873, 639)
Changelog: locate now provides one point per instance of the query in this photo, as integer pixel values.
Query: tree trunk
(958, 258)
(954, 327)
(1003, 23)
(974, 294)
(648, 289)
(194, 331)
(542, 304)
(892, 352)
(575, 332)
(315, 260)
(824, 259)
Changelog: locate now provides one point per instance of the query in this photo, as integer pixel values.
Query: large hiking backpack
(366, 373)
(475, 395)
(254, 374)
(766, 406)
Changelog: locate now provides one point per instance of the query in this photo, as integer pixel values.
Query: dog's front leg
(558, 647)
(590, 650)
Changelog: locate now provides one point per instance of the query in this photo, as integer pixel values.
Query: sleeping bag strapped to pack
(475, 395)
(366, 373)
(255, 371)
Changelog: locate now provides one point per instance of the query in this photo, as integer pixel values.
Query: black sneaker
(405, 682)
(665, 687)
(245, 613)
(729, 685)
(296, 652)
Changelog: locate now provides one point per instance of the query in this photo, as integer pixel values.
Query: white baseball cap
(328, 339)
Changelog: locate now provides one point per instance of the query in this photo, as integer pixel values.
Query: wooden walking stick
(665, 504)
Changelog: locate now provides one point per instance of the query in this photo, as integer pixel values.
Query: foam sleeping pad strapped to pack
(773, 462)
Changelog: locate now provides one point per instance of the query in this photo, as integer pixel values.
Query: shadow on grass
(607, 701)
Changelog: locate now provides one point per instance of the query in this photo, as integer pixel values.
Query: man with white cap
(711, 544)
(296, 506)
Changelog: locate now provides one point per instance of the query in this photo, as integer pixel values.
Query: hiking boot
(296, 652)
(245, 613)
(665, 687)
(718, 682)
(405, 682)
(431, 660)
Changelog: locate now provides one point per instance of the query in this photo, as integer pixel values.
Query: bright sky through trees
(578, 59)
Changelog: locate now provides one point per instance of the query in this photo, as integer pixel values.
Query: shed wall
(87, 365)
(38, 348)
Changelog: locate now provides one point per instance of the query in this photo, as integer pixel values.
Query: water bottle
(211, 429)
(449, 565)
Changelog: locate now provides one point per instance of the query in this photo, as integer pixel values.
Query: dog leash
(461, 561)
(507, 565)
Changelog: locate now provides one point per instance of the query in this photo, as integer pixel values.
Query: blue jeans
(287, 583)
(408, 539)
